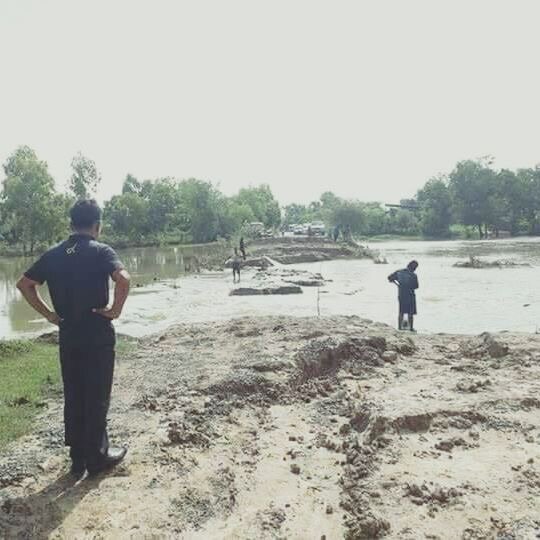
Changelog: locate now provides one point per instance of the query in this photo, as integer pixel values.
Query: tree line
(33, 213)
(474, 199)
(475, 196)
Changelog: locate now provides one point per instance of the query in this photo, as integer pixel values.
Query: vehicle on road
(318, 228)
(256, 229)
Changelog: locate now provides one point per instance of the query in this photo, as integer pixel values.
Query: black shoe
(114, 457)
(78, 467)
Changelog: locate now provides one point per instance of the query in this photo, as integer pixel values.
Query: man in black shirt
(77, 273)
(407, 282)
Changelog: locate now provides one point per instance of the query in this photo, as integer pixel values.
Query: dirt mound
(322, 357)
(186, 435)
(476, 262)
(467, 385)
(244, 383)
(367, 527)
(294, 250)
(282, 427)
(484, 346)
(256, 262)
(256, 291)
(424, 494)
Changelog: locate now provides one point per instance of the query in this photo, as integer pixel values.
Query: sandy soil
(304, 428)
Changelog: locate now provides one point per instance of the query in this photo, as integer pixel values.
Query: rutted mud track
(300, 428)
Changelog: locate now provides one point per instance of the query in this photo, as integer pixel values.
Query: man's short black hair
(85, 214)
(412, 266)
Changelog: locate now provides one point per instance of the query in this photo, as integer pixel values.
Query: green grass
(125, 346)
(29, 375)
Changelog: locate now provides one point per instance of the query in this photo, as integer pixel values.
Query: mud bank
(294, 249)
(299, 428)
(475, 262)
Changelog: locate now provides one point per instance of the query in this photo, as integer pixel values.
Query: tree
(295, 213)
(436, 208)
(471, 185)
(264, 206)
(200, 203)
(376, 220)
(403, 222)
(131, 185)
(33, 211)
(232, 215)
(55, 220)
(329, 200)
(166, 210)
(85, 177)
(126, 216)
(529, 182)
(349, 215)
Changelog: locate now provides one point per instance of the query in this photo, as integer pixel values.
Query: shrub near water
(29, 372)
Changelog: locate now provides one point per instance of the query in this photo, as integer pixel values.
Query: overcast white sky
(365, 98)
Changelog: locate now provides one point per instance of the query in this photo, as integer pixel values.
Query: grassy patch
(125, 346)
(29, 375)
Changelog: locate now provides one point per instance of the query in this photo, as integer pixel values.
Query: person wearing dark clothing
(236, 263)
(407, 282)
(243, 248)
(77, 273)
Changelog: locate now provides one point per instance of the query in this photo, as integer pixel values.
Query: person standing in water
(242, 248)
(407, 282)
(236, 263)
(77, 273)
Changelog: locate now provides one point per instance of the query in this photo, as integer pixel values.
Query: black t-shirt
(408, 281)
(77, 273)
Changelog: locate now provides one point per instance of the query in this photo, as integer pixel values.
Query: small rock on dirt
(295, 469)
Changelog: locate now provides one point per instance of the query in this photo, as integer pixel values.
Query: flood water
(451, 300)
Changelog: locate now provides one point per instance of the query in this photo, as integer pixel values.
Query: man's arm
(121, 280)
(28, 288)
(392, 278)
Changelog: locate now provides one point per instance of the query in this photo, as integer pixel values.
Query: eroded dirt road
(299, 428)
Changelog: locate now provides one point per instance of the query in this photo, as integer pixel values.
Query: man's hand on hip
(54, 318)
(108, 312)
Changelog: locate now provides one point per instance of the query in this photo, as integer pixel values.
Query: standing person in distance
(236, 264)
(242, 248)
(407, 282)
(77, 272)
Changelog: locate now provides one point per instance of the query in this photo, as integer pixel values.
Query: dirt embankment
(300, 249)
(302, 428)
(477, 263)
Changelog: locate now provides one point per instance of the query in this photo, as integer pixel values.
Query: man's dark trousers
(87, 372)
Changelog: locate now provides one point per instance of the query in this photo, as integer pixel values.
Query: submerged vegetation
(473, 199)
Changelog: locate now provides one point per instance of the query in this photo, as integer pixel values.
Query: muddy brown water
(168, 289)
